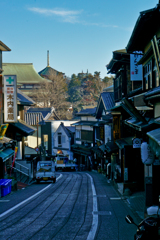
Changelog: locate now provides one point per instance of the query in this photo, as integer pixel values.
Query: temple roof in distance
(26, 74)
(48, 72)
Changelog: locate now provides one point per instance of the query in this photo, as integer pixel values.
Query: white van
(46, 171)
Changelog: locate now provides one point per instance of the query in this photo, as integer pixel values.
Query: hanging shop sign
(146, 154)
(136, 70)
(136, 142)
(10, 98)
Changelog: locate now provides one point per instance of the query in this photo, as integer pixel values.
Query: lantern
(146, 154)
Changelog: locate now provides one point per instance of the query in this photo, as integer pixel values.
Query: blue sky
(79, 34)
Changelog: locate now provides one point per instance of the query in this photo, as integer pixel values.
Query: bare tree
(53, 93)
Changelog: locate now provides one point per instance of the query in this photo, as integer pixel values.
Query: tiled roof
(44, 111)
(153, 92)
(48, 72)
(108, 99)
(33, 117)
(39, 114)
(139, 125)
(23, 128)
(25, 72)
(71, 129)
(105, 102)
(24, 99)
(87, 112)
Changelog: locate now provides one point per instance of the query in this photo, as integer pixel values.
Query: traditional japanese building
(49, 72)
(27, 78)
(146, 38)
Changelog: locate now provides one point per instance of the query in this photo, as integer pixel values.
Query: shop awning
(81, 150)
(23, 128)
(100, 123)
(111, 147)
(86, 123)
(154, 141)
(121, 143)
(6, 154)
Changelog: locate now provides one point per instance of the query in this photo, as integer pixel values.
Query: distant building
(49, 72)
(27, 78)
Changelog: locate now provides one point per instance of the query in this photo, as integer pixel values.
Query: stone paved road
(65, 210)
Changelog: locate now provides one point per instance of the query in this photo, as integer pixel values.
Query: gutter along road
(80, 205)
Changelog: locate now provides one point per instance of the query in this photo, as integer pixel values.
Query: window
(59, 139)
(87, 135)
(155, 74)
(147, 75)
(78, 134)
(29, 86)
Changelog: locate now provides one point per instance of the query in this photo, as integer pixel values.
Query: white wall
(88, 128)
(88, 118)
(54, 127)
(65, 144)
(32, 140)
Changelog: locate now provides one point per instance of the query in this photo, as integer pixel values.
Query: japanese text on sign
(136, 70)
(10, 98)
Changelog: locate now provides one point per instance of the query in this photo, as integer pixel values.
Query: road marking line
(94, 227)
(19, 204)
(4, 200)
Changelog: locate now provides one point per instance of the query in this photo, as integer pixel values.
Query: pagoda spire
(48, 58)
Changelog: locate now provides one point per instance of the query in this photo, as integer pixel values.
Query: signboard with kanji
(10, 98)
(135, 69)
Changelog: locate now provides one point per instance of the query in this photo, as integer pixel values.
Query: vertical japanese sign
(135, 69)
(10, 98)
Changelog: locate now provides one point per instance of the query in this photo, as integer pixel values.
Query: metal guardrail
(21, 173)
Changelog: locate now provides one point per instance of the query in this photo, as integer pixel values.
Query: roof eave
(134, 43)
(3, 47)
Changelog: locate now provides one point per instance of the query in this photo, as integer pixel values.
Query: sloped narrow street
(65, 210)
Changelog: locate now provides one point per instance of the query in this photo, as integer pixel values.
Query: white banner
(135, 70)
(10, 98)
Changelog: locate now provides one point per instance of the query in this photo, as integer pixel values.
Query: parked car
(46, 171)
